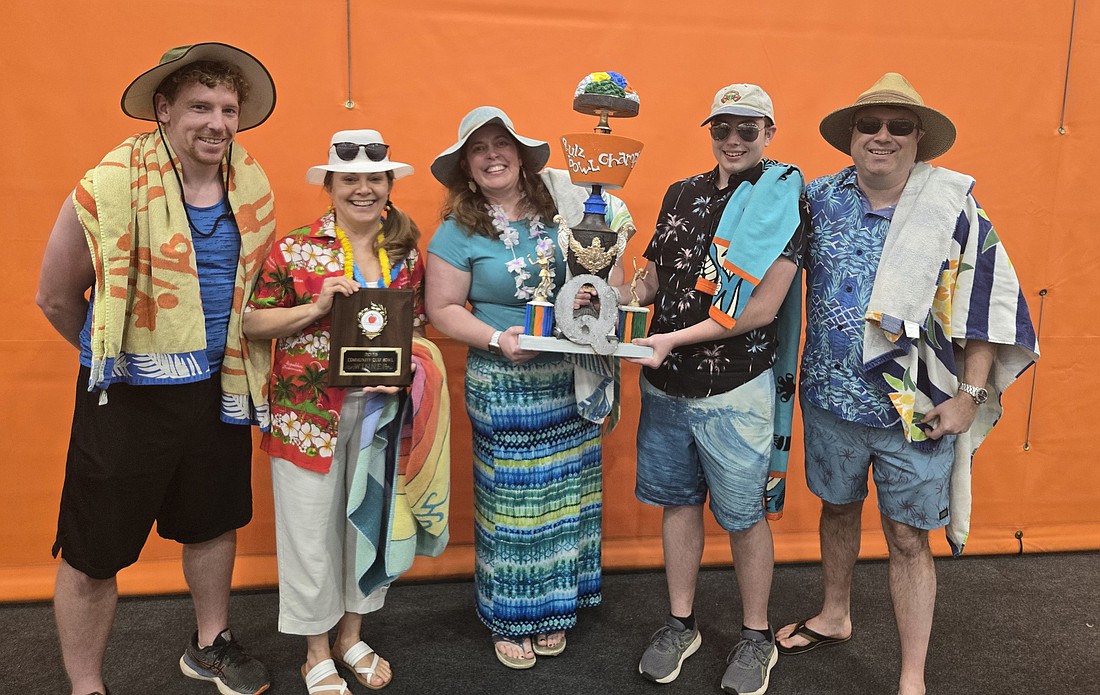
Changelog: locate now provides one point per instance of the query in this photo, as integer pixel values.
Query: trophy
(370, 341)
(632, 316)
(540, 312)
(591, 248)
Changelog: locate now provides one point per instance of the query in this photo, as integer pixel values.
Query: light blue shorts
(911, 483)
(722, 443)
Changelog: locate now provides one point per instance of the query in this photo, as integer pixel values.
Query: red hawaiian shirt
(305, 411)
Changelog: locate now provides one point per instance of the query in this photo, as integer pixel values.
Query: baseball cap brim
(735, 111)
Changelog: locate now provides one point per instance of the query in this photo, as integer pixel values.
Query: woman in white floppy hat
(537, 485)
(363, 240)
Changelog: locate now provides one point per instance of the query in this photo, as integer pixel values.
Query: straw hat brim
(445, 167)
(400, 170)
(939, 131)
(137, 100)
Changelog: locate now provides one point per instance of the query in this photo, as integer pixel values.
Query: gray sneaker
(667, 650)
(750, 666)
(226, 665)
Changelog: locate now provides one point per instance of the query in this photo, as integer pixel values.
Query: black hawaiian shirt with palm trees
(686, 225)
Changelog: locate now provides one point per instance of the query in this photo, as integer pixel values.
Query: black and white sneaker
(225, 664)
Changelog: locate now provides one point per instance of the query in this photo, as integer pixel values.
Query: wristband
(494, 344)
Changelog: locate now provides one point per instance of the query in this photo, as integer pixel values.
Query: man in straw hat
(168, 233)
(722, 262)
(915, 325)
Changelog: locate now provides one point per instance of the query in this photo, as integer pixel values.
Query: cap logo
(732, 95)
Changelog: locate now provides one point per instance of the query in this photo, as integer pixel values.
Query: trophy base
(530, 342)
(632, 322)
(539, 318)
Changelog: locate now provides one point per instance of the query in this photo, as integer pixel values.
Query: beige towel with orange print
(147, 298)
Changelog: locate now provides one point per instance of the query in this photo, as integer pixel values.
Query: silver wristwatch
(979, 395)
(494, 345)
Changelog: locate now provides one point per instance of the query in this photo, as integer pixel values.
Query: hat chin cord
(183, 193)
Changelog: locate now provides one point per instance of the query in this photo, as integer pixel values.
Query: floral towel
(944, 279)
(146, 294)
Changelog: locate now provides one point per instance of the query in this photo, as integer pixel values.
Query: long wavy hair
(468, 207)
(401, 233)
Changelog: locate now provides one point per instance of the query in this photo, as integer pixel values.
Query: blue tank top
(217, 254)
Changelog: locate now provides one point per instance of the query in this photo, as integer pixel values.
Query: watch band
(979, 394)
(494, 344)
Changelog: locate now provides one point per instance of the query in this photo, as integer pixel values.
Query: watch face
(979, 395)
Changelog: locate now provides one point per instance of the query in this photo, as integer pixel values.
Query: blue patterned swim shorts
(911, 483)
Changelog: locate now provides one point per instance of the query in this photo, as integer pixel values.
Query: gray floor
(1022, 624)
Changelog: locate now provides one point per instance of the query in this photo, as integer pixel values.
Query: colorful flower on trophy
(608, 83)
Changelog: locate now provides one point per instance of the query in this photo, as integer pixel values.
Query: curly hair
(400, 232)
(468, 208)
(209, 73)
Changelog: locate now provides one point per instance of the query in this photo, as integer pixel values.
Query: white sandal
(320, 672)
(352, 656)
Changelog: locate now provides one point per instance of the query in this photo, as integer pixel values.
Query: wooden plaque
(371, 338)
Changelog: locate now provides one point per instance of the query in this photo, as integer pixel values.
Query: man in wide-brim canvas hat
(167, 233)
(915, 326)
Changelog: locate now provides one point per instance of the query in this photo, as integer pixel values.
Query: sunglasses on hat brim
(347, 151)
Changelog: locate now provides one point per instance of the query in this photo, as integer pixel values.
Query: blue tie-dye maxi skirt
(537, 496)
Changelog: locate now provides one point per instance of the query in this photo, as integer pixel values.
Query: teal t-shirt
(492, 288)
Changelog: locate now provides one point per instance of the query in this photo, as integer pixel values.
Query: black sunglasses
(376, 151)
(899, 127)
(748, 132)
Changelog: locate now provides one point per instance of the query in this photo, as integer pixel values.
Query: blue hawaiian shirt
(845, 248)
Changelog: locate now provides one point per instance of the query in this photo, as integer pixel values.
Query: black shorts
(150, 453)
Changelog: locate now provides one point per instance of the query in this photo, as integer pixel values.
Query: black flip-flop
(816, 639)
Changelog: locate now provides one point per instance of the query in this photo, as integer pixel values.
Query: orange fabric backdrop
(416, 68)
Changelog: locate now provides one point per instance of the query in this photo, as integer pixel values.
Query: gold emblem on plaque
(372, 319)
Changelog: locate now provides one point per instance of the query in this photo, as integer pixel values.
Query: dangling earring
(472, 186)
(389, 206)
